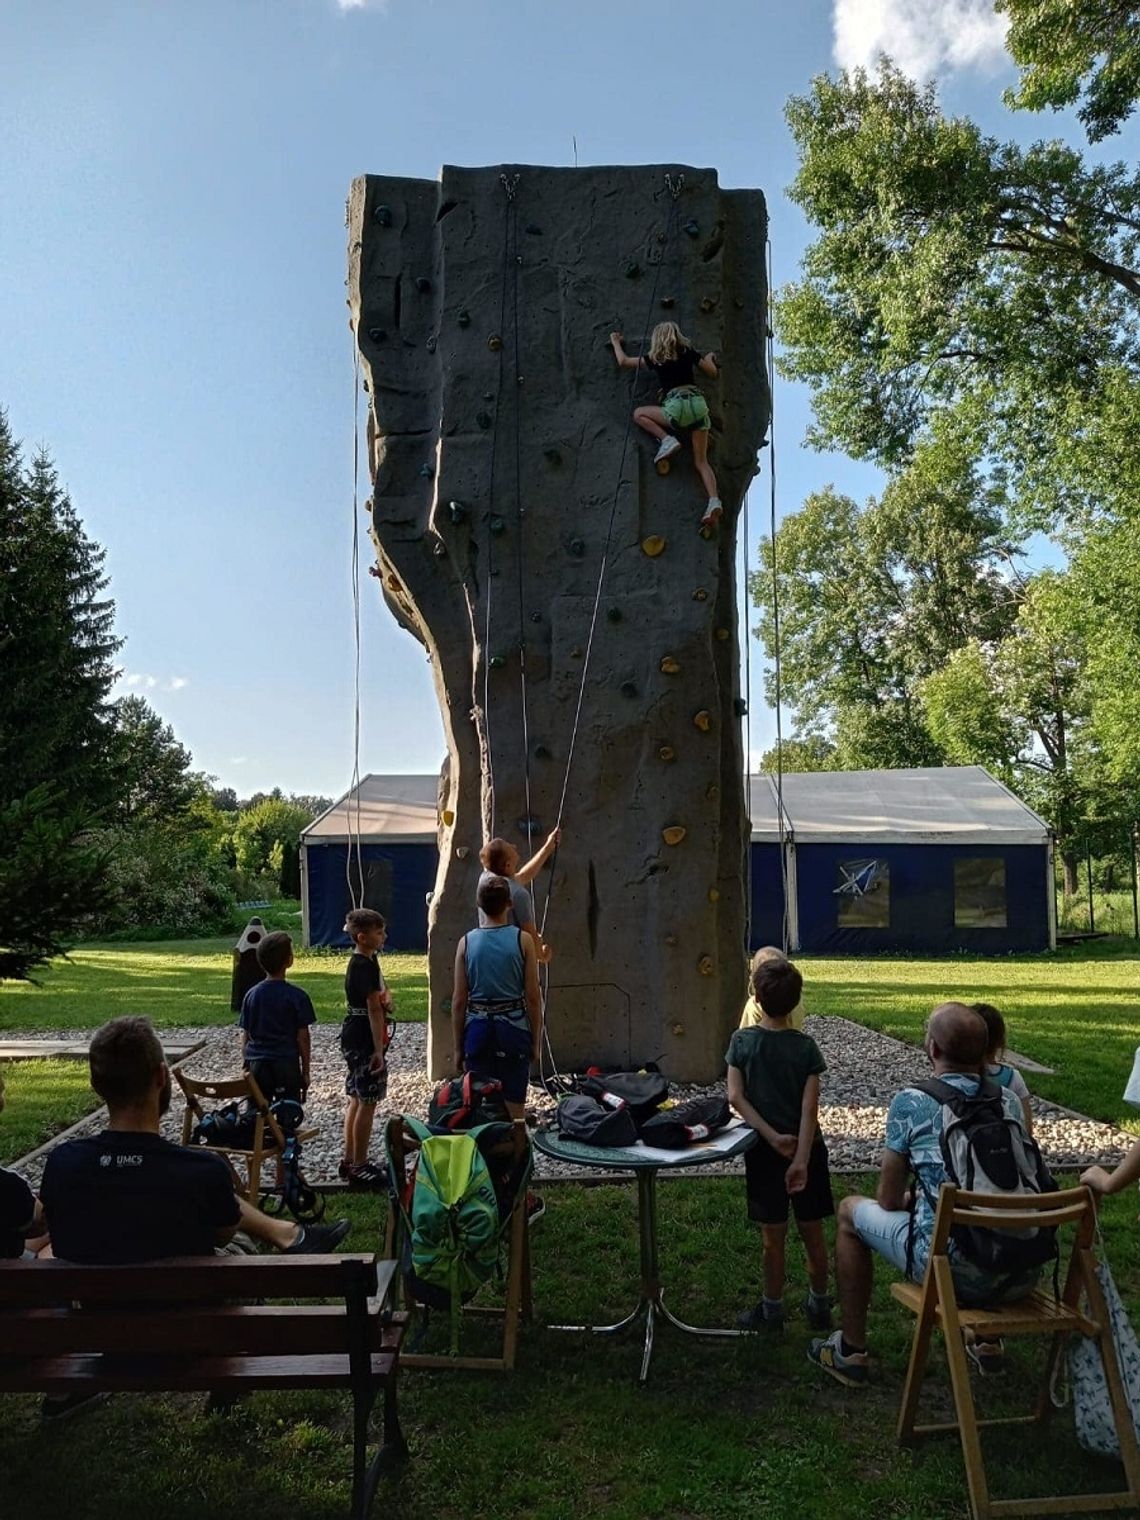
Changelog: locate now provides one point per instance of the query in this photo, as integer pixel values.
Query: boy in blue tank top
(496, 1005)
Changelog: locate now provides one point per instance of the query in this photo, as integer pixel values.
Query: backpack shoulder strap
(941, 1092)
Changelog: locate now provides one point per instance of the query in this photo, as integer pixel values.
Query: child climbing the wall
(1000, 1070)
(773, 1084)
(682, 407)
(752, 1014)
(364, 1038)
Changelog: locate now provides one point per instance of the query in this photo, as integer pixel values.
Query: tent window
(979, 894)
(863, 893)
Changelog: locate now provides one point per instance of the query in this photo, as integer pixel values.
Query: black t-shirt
(17, 1206)
(122, 1197)
(271, 1014)
(362, 976)
(679, 371)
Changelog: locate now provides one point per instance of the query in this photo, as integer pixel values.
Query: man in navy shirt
(275, 1021)
(128, 1195)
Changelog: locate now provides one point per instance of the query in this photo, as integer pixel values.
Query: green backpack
(452, 1218)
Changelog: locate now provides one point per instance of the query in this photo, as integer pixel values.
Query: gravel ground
(865, 1069)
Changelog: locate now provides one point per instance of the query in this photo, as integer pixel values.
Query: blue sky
(174, 325)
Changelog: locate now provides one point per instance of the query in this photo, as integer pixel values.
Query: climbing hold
(541, 752)
(653, 545)
(700, 595)
(484, 419)
(707, 303)
(671, 940)
(382, 216)
(668, 302)
(667, 752)
(628, 689)
(497, 525)
(678, 1029)
(692, 228)
(705, 965)
(368, 506)
(448, 817)
(393, 583)
(673, 834)
(711, 790)
(707, 531)
(462, 851)
(662, 466)
(498, 661)
(377, 334)
(439, 550)
(488, 395)
(552, 455)
(577, 548)
(575, 653)
(702, 720)
(376, 571)
(464, 318)
(494, 343)
(457, 511)
(536, 617)
(423, 284)
(430, 344)
(669, 666)
(427, 471)
(722, 635)
(533, 230)
(613, 614)
(714, 895)
(739, 706)
(632, 270)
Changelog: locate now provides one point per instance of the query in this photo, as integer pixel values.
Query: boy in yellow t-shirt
(753, 1013)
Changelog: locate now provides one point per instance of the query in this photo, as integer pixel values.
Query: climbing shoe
(817, 1312)
(850, 1369)
(765, 1318)
(317, 1239)
(712, 513)
(666, 447)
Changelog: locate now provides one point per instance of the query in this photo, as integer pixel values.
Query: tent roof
(932, 805)
(945, 804)
(398, 809)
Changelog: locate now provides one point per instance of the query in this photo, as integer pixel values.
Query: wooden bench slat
(203, 1374)
(184, 1279)
(261, 1330)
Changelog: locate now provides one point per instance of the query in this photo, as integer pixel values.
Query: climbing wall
(503, 471)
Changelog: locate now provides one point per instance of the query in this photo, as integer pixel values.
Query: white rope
(771, 347)
(355, 890)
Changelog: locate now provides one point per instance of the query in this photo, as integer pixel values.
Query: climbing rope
(355, 889)
(771, 351)
(746, 561)
(511, 188)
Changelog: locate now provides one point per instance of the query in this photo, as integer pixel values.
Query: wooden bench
(206, 1326)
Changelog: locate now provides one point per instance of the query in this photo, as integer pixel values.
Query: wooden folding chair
(934, 1303)
(268, 1136)
(519, 1304)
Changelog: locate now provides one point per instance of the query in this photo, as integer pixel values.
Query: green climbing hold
(577, 548)
(430, 344)
(423, 284)
(464, 319)
(497, 525)
(458, 511)
(632, 270)
(552, 455)
(628, 689)
(377, 334)
(498, 661)
(382, 216)
(693, 228)
(427, 471)
(541, 752)
(536, 617)
(484, 419)
(739, 706)
(614, 614)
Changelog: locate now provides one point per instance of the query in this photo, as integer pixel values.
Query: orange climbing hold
(703, 720)
(714, 895)
(653, 545)
(662, 466)
(673, 834)
(723, 635)
(700, 595)
(666, 752)
(669, 666)
(705, 965)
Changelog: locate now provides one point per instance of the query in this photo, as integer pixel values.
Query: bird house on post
(247, 968)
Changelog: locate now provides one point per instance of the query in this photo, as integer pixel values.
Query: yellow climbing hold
(705, 965)
(448, 817)
(673, 834)
(714, 895)
(669, 666)
(667, 752)
(653, 545)
(703, 721)
(722, 634)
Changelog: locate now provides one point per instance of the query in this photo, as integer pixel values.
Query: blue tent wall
(767, 926)
(397, 879)
(922, 899)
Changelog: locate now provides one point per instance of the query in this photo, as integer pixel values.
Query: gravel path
(865, 1070)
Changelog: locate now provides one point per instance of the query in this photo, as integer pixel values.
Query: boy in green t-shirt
(773, 1084)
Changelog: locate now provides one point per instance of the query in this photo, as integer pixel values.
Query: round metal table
(645, 1163)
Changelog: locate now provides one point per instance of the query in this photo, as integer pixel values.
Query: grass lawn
(744, 1429)
(43, 1097)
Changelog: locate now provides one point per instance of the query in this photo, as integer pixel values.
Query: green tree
(1076, 50)
(812, 752)
(263, 829)
(155, 782)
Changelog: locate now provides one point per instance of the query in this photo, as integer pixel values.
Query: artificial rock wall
(499, 449)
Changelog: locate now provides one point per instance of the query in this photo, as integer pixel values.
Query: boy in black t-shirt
(773, 1083)
(275, 1021)
(364, 1040)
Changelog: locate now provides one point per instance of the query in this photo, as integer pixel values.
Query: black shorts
(278, 1077)
(768, 1199)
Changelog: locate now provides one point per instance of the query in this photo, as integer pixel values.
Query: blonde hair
(666, 342)
(764, 956)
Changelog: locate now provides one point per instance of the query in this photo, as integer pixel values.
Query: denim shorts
(885, 1231)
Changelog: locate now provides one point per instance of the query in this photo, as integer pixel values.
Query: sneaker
(535, 1208)
(851, 1370)
(666, 447)
(344, 1168)
(817, 1314)
(365, 1174)
(712, 513)
(63, 1406)
(318, 1239)
(761, 1319)
(987, 1356)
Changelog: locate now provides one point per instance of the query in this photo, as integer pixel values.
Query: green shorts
(685, 407)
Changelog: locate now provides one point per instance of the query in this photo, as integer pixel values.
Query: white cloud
(177, 683)
(239, 759)
(922, 36)
(361, 5)
(141, 680)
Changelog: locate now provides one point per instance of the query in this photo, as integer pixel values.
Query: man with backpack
(959, 1128)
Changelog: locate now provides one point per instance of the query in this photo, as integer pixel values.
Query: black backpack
(986, 1150)
(643, 1092)
(592, 1123)
(674, 1128)
(233, 1125)
(463, 1102)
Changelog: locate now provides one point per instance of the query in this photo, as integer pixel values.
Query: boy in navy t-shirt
(275, 1021)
